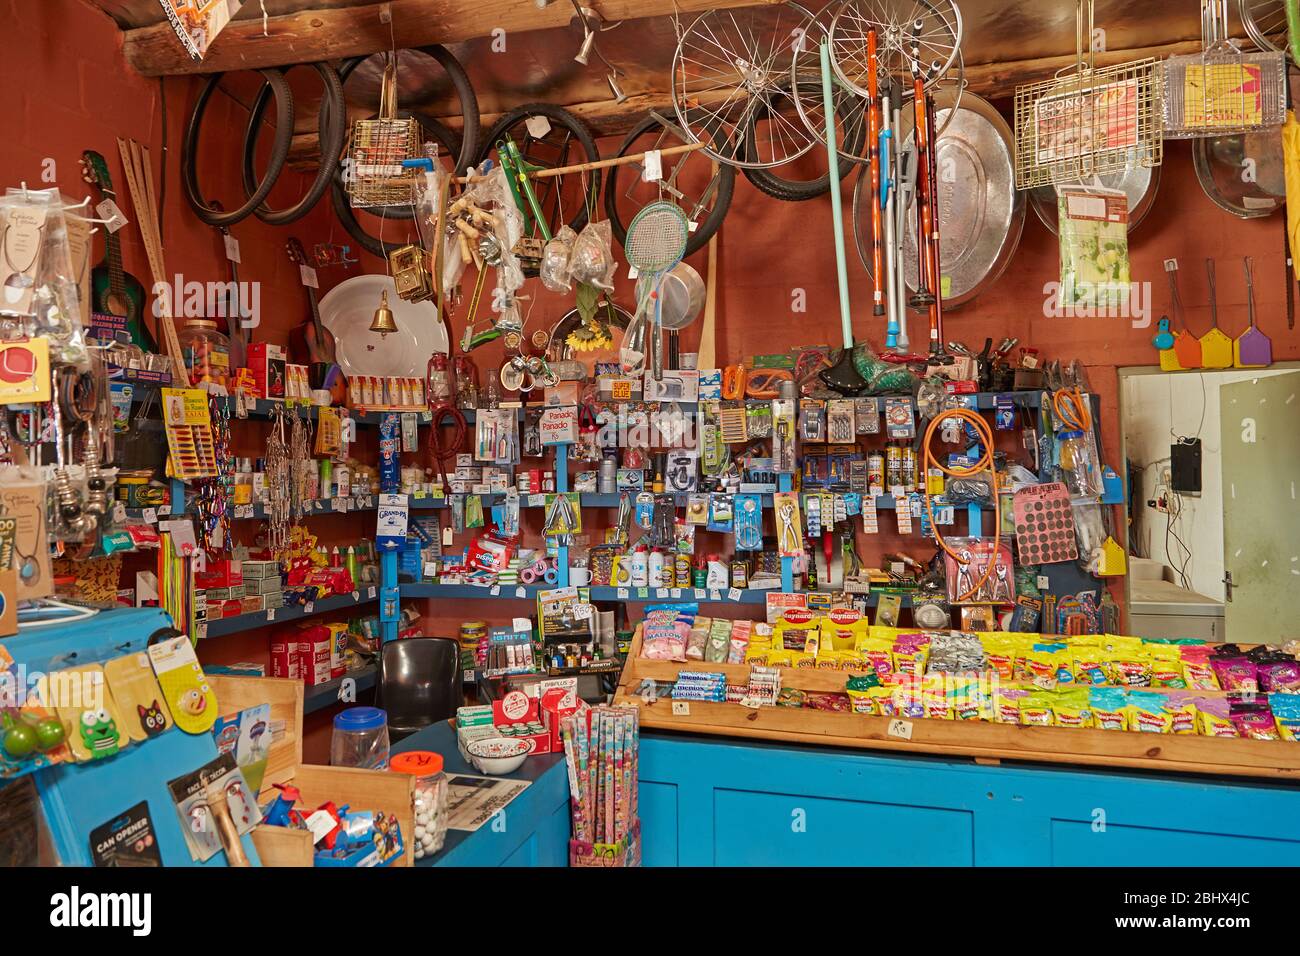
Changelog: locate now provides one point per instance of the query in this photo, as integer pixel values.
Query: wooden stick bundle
(139, 177)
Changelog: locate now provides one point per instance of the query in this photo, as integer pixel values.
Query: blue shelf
(509, 592)
(323, 696)
(220, 627)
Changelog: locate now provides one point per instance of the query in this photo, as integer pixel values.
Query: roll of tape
(552, 576)
(528, 575)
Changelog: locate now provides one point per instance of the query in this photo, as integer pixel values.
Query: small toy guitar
(114, 290)
(311, 344)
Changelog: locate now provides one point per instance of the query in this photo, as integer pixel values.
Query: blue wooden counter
(723, 802)
(534, 828)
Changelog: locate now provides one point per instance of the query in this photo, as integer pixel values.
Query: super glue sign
(559, 426)
(391, 531)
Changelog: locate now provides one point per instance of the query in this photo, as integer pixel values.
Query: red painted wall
(65, 88)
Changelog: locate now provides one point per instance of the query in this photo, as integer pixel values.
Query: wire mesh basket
(1223, 90)
(1087, 122)
(376, 149)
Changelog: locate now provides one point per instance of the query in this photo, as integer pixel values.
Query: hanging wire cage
(1223, 90)
(377, 148)
(1087, 121)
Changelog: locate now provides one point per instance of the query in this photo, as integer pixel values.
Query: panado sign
(559, 426)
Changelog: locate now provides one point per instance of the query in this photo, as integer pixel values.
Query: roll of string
(928, 461)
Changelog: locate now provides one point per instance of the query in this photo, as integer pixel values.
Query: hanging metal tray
(981, 213)
(1248, 190)
(1138, 182)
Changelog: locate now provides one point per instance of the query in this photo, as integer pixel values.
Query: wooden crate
(982, 741)
(378, 790)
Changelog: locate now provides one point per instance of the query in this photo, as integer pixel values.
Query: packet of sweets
(1048, 665)
(884, 700)
(1147, 714)
(1127, 662)
(1006, 703)
(909, 701)
(1166, 666)
(1280, 675)
(1180, 705)
(1036, 709)
(1236, 672)
(1253, 719)
(970, 697)
(1197, 671)
(698, 639)
(1072, 707)
(1109, 707)
(934, 697)
(879, 654)
(1089, 662)
(1286, 713)
(758, 656)
(910, 653)
(1212, 717)
(1001, 650)
(797, 636)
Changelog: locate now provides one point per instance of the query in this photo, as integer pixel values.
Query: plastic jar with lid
(429, 801)
(360, 739)
(206, 352)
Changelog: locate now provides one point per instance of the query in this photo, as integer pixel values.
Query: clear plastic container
(206, 353)
(360, 739)
(429, 801)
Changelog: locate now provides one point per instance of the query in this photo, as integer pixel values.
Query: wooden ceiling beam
(326, 34)
(990, 80)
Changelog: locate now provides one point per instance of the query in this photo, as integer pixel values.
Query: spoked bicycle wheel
(1265, 23)
(551, 137)
(785, 184)
(701, 186)
(731, 66)
(926, 33)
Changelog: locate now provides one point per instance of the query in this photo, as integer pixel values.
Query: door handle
(1227, 585)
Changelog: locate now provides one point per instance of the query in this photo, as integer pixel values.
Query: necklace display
(277, 485)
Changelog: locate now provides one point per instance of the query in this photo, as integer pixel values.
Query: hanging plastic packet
(1094, 249)
(474, 511)
(555, 260)
(592, 260)
(721, 514)
(748, 522)
(457, 503)
(509, 523)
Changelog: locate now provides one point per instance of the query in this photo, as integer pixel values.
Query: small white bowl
(498, 755)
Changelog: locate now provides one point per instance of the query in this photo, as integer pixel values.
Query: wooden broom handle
(706, 354)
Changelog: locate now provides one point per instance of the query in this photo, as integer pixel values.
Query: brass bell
(383, 322)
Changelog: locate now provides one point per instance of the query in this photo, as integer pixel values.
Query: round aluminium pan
(1243, 173)
(981, 213)
(1138, 182)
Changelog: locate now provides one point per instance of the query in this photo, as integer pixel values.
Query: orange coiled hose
(928, 460)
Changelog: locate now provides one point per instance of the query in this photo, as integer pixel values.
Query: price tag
(108, 210)
(356, 595)
(371, 592)
(243, 511)
(582, 612)
(642, 593)
(446, 536)
(538, 126)
(900, 728)
(308, 275)
(150, 515)
(715, 595)
(201, 629)
(661, 593)
(338, 504)
(431, 569)
(270, 614)
(496, 590)
(467, 677)
(681, 708)
(734, 594)
(652, 167)
(309, 607)
(521, 592)
(119, 512)
(700, 594)
(182, 533)
(232, 248)
(1043, 583)
(622, 594)
(677, 592)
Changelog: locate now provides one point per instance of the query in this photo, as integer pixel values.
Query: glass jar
(360, 739)
(429, 801)
(206, 353)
